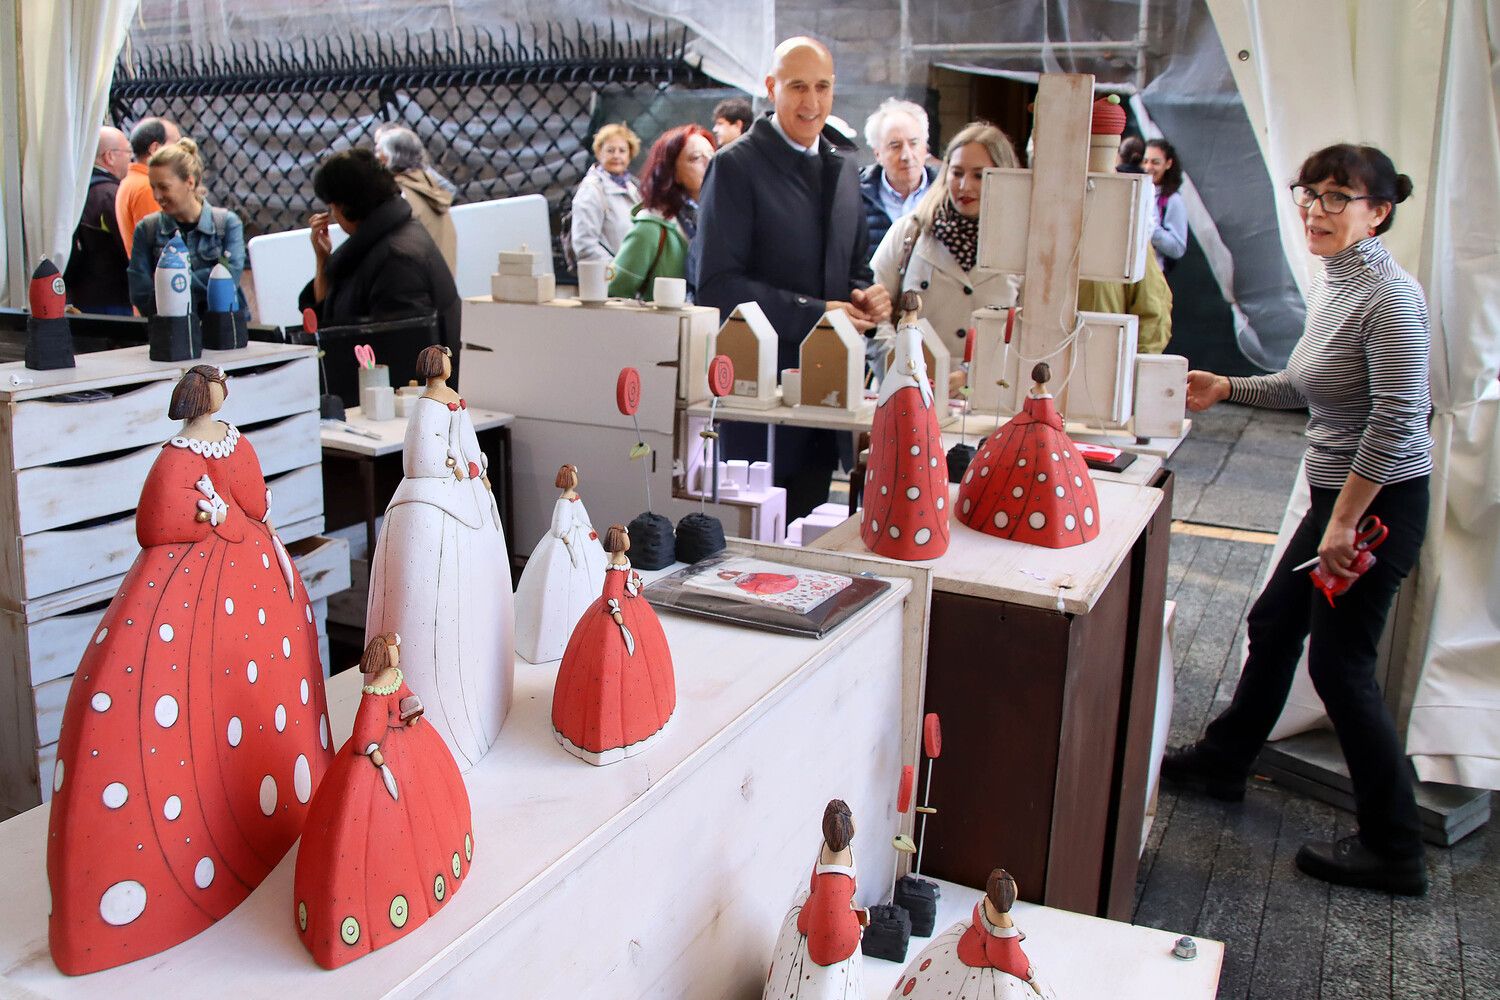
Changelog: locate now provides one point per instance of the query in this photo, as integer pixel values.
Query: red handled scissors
(1368, 535)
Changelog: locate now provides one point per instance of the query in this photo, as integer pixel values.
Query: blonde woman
(932, 251)
(211, 234)
(602, 203)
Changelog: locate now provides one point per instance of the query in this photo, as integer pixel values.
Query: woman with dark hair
(388, 268)
(1169, 240)
(1361, 371)
(666, 220)
(1130, 154)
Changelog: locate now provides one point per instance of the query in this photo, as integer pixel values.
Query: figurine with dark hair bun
(563, 576)
(196, 728)
(441, 573)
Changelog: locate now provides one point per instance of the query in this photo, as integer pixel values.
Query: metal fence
(500, 116)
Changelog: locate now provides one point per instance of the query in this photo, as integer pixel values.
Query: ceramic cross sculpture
(441, 574)
(817, 953)
(196, 729)
(615, 690)
(977, 959)
(1029, 482)
(388, 838)
(905, 513)
(563, 576)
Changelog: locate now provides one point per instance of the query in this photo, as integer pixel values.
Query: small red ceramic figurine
(615, 688)
(388, 838)
(1029, 482)
(905, 514)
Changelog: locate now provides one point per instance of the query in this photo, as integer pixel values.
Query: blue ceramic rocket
(174, 281)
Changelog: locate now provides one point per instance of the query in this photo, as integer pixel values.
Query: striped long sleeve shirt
(1361, 371)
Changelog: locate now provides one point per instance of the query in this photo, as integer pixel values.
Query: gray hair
(875, 124)
(400, 148)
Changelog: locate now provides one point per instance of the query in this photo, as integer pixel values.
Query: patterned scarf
(958, 233)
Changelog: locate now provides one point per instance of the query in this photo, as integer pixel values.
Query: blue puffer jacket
(869, 191)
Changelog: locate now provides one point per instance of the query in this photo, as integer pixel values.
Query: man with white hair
(893, 185)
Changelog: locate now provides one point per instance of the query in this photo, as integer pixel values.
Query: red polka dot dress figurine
(196, 728)
(615, 688)
(1029, 482)
(388, 838)
(980, 959)
(905, 513)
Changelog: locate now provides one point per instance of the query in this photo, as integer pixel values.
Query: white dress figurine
(977, 959)
(563, 577)
(441, 574)
(817, 953)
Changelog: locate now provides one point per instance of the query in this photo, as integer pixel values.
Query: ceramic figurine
(615, 690)
(817, 953)
(173, 334)
(1029, 482)
(196, 728)
(978, 959)
(905, 513)
(832, 358)
(441, 573)
(388, 838)
(223, 327)
(49, 338)
(563, 576)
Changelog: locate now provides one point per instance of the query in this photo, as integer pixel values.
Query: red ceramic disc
(932, 735)
(903, 794)
(628, 391)
(721, 375)
(309, 321)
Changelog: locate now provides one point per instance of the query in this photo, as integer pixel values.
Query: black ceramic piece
(174, 338)
(49, 344)
(698, 537)
(330, 407)
(919, 898)
(224, 331)
(888, 935)
(652, 545)
(959, 457)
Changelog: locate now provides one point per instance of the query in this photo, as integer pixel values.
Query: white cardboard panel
(1116, 224)
(1102, 386)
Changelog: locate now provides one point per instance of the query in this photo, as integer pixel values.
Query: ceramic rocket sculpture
(173, 333)
(49, 338)
(1029, 482)
(223, 327)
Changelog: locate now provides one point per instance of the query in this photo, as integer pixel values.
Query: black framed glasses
(1333, 202)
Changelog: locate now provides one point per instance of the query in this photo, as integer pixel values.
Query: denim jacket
(218, 234)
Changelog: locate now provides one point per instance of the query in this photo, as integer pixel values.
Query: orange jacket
(133, 202)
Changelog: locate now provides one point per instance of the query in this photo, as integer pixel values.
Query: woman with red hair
(666, 220)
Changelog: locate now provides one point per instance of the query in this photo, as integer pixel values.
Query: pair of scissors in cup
(365, 355)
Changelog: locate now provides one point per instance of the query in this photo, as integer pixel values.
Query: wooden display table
(664, 875)
(1043, 666)
(1082, 958)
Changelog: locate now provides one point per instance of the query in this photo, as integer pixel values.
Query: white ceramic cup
(406, 398)
(593, 280)
(378, 402)
(791, 386)
(670, 293)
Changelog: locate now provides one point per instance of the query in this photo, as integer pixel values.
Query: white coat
(601, 215)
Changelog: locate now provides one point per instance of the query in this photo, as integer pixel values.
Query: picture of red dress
(760, 583)
(196, 728)
(615, 688)
(388, 838)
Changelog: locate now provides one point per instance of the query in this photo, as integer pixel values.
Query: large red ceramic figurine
(615, 688)
(905, 514)
(388, 838)
(196, 728)
(817, 952)
(1028, 482)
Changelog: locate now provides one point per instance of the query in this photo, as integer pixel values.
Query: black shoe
(1199, 769)
(1350, 862)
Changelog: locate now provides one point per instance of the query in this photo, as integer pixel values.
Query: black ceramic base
(698, 537)
(49, 344)
(959, 457)
(652, 545)
(888, 935)
(174, 338)
(224, 332)
(919, 898)
(330, 407)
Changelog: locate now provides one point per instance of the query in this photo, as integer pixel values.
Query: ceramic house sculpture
(196, 729)
(817, 953)
(441, 574)
(388, 838)
(523, 276)
(615, 690)
(1029, 482)
(748, 339)
(223, 327)
(49, 338)
(905, 513)
(935, 356)
(174, 334)
(833, 364)
(977, 959)
(563, 576)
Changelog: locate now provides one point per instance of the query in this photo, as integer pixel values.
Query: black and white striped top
(1360, 369)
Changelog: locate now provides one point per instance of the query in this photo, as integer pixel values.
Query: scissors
(364, 355)
(1368, 534)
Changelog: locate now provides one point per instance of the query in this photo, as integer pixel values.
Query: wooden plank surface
(127, 365)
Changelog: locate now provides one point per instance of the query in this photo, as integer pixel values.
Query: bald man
(780, 223)
(96, 265)
(133, 202)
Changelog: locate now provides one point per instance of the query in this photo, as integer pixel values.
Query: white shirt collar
(804, 150)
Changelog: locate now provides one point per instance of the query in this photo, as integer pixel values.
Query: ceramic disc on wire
(903, 794)
(628, 391)
(721, 375)
(932, 735)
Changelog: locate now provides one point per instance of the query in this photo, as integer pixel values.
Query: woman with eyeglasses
(1169, 239)
(1361, 371)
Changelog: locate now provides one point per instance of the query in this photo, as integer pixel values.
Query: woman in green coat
(667, 218)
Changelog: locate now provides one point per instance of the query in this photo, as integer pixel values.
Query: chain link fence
(500, 116)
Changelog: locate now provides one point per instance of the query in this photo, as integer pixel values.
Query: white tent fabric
(1375, 73)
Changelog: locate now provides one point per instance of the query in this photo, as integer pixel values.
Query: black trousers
(1341, 661)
